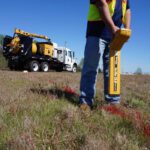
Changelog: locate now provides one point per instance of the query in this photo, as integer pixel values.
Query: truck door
(69, 58)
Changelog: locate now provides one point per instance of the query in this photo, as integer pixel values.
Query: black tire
(74, 69)
(44, 67)
(34, 66)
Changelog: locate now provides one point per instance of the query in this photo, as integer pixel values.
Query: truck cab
(67, 57)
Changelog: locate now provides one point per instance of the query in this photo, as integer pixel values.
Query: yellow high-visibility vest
(94, 14)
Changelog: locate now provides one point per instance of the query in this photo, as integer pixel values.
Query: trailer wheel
(44, 66)
(34, 66)
(74, 69)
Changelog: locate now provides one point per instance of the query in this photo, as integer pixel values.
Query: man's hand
(114, 30)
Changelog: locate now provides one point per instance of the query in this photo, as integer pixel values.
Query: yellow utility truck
(23, 51)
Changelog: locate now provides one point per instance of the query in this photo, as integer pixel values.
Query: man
(104, 19)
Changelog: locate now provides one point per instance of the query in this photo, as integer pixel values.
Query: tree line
(1, 39)
(3, 62)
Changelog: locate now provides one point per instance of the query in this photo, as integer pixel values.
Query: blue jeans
(93, 49)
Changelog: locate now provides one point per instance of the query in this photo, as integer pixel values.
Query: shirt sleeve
(128, 4)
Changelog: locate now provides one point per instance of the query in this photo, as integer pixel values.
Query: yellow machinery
(23, 52)
(34, 48)
(120, 38)
(15, 45)
(44, 48)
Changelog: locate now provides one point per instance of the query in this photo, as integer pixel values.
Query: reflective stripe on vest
(124, 8)
(94, 14)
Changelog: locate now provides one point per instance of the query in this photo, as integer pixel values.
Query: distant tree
(3, 62)
(80, 65)
(1, 49)
(1, 39)
(138, 71)
(81, 62)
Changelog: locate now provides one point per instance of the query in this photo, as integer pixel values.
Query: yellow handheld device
(120, 38)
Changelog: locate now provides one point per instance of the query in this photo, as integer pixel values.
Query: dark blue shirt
(98, 28)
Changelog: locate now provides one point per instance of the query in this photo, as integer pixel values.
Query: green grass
(3, 62)
(136, 103)
(59, 125)
(36, 114)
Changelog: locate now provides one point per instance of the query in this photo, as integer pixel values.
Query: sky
(65, 21)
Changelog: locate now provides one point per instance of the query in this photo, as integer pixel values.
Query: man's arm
(104, 10)
(128, 19)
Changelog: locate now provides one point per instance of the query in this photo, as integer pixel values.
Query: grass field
(40, 111)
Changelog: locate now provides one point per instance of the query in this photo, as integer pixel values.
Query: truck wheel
(34, 66)
(74, 69)
(44, 66)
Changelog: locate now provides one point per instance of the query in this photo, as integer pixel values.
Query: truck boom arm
(21, 32)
